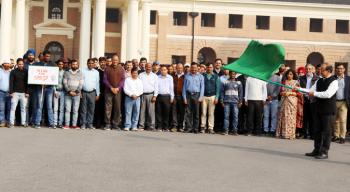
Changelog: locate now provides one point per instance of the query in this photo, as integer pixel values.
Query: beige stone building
(312, 31)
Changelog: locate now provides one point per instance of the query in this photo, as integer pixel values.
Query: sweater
(18, 81)
(73, 81)
(232, 91)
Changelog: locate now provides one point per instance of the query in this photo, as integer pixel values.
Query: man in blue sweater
(231, 99)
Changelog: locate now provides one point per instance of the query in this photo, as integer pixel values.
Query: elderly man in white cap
(5, 99)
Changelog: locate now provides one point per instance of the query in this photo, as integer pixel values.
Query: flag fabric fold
(259, 61)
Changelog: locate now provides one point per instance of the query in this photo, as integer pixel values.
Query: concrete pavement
(47, 160)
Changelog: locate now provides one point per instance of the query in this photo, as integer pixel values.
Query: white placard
(40, 75)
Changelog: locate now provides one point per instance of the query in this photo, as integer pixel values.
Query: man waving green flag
(259, 61)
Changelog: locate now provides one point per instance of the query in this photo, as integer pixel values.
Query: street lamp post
(193, 16)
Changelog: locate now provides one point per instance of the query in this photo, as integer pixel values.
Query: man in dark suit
(324, 91)
(307, 81)
(342, 104)
(100, 104)
(243, 110)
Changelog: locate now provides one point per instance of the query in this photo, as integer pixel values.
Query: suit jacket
(303, 80)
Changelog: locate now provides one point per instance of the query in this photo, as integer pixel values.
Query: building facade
(312, 31)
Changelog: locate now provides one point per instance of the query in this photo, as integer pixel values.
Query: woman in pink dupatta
(287, 121)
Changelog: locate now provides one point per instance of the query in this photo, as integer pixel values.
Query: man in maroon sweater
(114, 77)
(178, 110)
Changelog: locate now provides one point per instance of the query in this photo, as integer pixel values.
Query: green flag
(259, 61)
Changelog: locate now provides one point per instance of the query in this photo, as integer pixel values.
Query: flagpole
(280, 84)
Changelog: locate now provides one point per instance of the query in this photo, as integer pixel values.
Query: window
(180, 18)
(291, 64)
(56, 49)
(289, 23)
(153, 17)
(55, 9)
(263, 22)
(235, 21)
(345, 66)
(316, 25)
(342, 26)
(178, 58)
(112, 15)
(109, 54)
(231, 59)
(208, 20)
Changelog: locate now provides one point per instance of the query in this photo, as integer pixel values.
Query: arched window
(56, 49)
(315, 58)
(55, 9)
(206, 55)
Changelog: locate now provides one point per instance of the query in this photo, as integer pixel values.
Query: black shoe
(341, 141)
(224, 133)
(312, 154)
(188, 131)
(322, 156)
(195, 131)
(234, 133)
(52, 126)
(335, 139)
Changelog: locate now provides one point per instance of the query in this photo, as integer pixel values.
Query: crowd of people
(138, 95)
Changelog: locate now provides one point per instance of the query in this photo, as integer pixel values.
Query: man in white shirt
(164, 99)
(133, 89)
(324, 90)
(148, 99)
(255, 97)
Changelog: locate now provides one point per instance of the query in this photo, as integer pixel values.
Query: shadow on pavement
(149, 137)
(272, 152)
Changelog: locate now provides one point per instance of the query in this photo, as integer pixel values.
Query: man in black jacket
(342, 103)
(307, 81)
(100, 104)
(18, 92)
(324, 91)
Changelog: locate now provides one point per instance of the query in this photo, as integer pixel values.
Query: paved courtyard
(59, 160)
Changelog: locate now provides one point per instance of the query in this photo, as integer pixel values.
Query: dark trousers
(308, 119)
(192, 112)
(87, 108)
(122, 109)
(163, 112)
(255, 111)
(31, 108)
(113, 102)
(242, 118)
(323, 132)
(99, 111)
(178, 112)
(219, 118)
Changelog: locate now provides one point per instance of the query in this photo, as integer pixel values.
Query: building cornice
(253, 7)
(246, 40)
(47, 29)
